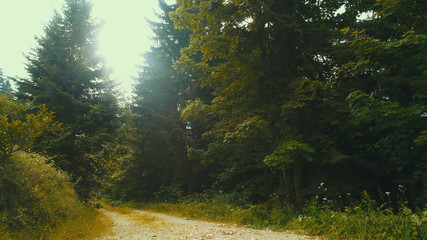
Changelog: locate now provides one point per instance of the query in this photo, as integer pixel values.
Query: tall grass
(363, 220)
(251, 215)
(89, 225)
(224, 208)
(38, 202)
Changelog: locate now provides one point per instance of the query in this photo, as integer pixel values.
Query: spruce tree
(68, 77)
(160, 134)
(5, 86)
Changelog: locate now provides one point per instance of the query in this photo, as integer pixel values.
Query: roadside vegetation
(364, 219)
(53, 137)
(38, 202)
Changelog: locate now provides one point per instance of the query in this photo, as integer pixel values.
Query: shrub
(35, 198)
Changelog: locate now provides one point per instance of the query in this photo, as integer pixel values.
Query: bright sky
(122, 39)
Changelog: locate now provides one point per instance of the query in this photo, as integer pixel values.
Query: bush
(35, 198)
(365, 220)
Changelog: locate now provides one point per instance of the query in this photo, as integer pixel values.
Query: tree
(21, 124)
(5, 86)
(160, 156)
(384, 83)
(268, 63)
(69, 78)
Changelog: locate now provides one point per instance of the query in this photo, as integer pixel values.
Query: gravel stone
(135, 226)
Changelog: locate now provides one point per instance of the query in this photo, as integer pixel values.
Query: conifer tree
(68, 77)
(5, 86)
(383, 80)
(267, 62)
(160, 94)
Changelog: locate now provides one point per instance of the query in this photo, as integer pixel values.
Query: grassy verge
(257, 216)
(128, 211)
(89, 225)
(365, 220)
(38, 202)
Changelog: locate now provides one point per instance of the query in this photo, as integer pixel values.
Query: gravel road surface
(139, 225)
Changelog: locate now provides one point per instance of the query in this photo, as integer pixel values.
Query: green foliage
(5, 86)
(36, 199)
(366, 220)
(170, 193)
(383, 82)
(261, 97)
(267, 74)
(69, 78)
(286, 152)
(19, 128)
(159, 167)
(221, 209)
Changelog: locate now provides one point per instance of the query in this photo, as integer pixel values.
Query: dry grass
(129, 212)
(88, 227)
(122, 209)
(38, 202)
(146, 219)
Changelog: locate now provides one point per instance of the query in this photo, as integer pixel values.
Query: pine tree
(68, 77)
(160, 94)
(5, 86)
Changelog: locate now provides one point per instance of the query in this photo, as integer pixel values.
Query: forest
(286, 104)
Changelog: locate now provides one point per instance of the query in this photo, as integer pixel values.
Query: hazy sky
(122, 39)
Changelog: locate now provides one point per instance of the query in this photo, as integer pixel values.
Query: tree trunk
(298, 185)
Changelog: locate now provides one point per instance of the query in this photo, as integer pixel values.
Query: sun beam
(124, 34)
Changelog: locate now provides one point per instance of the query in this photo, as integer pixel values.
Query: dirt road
(139, 225)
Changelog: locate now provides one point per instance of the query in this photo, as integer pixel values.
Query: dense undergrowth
(363, 219)
(38, 202)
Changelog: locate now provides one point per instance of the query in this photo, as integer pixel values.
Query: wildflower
(387, 193)
(401, 188)
(416, 219)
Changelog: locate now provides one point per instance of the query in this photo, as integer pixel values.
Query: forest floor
(139, 224)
